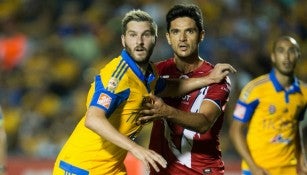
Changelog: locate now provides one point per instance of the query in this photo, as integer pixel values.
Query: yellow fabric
(84, 145)
(274, 124)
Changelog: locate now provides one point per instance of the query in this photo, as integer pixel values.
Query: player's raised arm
(177, 87)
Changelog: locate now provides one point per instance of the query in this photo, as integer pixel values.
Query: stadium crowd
(50, 50)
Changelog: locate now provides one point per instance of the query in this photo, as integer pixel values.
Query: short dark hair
(139, 16)
(185, 10)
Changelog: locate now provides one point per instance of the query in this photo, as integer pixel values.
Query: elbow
(206, 125)
(203, 130)
(88, 122)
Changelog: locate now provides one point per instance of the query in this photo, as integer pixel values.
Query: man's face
(284, 57)
(139, 41)
(184, 37)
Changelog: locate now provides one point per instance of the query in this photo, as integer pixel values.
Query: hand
(153, 109)
(220, 71)
(149, 158)
(303, 167)
(259, 171)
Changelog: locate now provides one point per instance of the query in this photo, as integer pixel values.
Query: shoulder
(165, 63)
(303, 84)
(256, 87)
(257, 83)
(303, 87)
(113, 64)
(114, 72)
(206, 67)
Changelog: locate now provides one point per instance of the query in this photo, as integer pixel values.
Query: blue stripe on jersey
(133, 65)
(70, 169)
(246, 172)
(137, 70)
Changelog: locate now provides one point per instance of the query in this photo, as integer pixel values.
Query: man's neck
(284, 80)
(143, 67)
(187, 65)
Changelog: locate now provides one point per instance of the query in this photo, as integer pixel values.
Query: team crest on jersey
(280, 139)
(112, 84)
(104, 100)
(272, 109)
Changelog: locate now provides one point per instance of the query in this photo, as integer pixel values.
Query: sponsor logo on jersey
(104, 100)
(279, 139)
(240, 111)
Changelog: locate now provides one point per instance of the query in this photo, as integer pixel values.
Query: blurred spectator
(3, 146)
(13, 44)
(50, 50)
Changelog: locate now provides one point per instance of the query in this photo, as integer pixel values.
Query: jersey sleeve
(160, 86)
(245, 106)
(106, 100)
(218, 93)
(244, 111)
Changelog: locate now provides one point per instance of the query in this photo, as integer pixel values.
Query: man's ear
(123, 40)
(167, 38)
(202, 35)
(273, 58)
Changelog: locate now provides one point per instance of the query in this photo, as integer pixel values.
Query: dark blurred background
(50, 50)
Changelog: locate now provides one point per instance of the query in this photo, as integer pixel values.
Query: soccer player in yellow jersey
(101, 140)
(270, 107)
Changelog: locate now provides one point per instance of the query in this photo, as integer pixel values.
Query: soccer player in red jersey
(187, 135)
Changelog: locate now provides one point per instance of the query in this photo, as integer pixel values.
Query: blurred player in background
(270, 107)
(101, 140)
(3, 146)
(188, 135)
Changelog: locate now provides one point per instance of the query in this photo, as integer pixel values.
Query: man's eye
(292, 50)
(279, 50)
(190, 31)
(147, 34)
(174, 32)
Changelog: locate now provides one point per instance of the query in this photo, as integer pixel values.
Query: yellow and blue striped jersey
(119, 89)
(272, 114)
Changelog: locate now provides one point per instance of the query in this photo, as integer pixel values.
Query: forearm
(302, 163)
(179, 87)
(241, 146)
(97, 122)
(194, 121)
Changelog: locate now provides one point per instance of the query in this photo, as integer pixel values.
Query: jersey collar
(278, 87)
(137, 70)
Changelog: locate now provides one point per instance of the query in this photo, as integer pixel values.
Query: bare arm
(239, 141)
(302, 165)
(97, 121)
(177, 87)
(3, 150)
(199, 122)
